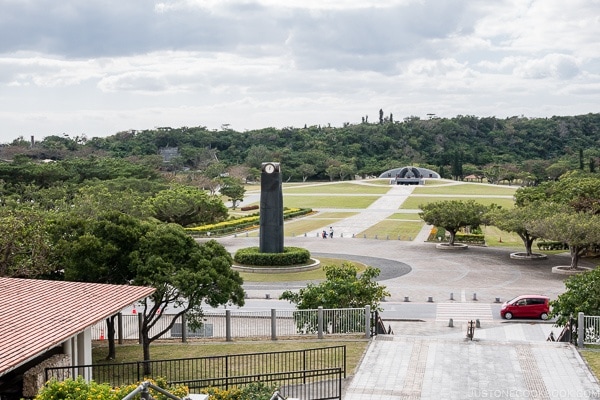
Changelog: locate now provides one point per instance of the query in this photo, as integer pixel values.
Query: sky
(97, 67)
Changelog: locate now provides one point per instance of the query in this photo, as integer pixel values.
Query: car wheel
(508, 315)
(544, 316)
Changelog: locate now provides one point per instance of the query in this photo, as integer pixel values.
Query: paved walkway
(379, 210)
(439, 367)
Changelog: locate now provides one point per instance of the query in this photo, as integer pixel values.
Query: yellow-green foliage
(234, 222)
(252, 391)
(79, 389)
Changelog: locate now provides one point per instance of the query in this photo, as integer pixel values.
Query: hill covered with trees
(532, 149)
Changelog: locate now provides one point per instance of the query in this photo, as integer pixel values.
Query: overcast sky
(97, 67)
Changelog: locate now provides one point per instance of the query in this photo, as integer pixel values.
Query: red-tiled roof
(36, 315)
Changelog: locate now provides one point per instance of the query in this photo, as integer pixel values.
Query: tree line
(528, 149)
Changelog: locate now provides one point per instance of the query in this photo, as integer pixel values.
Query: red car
(526, 306)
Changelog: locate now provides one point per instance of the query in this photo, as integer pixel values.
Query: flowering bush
(79, 389)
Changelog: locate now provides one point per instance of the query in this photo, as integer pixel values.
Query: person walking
(331, 232)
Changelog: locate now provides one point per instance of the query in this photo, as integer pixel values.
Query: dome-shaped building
(409, 175)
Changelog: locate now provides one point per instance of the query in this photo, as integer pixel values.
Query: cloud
(557, 66)
(252, 63)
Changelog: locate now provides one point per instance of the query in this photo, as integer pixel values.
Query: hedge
(290, 256)
(241, 224)
(550, 245)
(439, 234)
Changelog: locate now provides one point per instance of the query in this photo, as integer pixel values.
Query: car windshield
(511, 301)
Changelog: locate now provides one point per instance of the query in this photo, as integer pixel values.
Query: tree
(582, 294)
(25, 244)
(346, 170)
(452, 215)
(343, 288)
(234, 190)
(258, 155)
(99, 249)
(514, 220)
(185, 205)
(186, 275)
(332, 171)
(306, 170)
(579, 230)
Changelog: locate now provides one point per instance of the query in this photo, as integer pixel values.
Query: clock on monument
(269, 168)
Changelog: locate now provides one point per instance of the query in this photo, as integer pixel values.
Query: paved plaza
(427, 359)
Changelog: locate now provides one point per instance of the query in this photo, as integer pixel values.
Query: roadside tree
(513, 220)
(582, 294)
(579, 230)
(343, 288)
(452, 215)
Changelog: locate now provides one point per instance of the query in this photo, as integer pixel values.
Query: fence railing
(287, 368)
(588, 329)
(230, 324)
(318, 384)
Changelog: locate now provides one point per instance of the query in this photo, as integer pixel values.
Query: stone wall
(34, 379)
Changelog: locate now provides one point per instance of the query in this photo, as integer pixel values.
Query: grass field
(413, 202)
(355, 347)
(405, 216)
(592, 357)
(317, 201)
(316, 274)
(336, 188)
(467, 189)
(393, 230)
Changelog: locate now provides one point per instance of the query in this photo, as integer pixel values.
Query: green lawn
(337, 188)
(393, 230)
(468, 189)
(498, 238)
(405, 216)
(307, 225)
(413, 202)
(316, 274)
(334, 214)
(592, 357)
(355, 348)
(317, 201)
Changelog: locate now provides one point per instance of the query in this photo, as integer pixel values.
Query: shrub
(470, 238)
(79, 389)
(551, 245)
(290, 256)
(252, 391)
(241, 224)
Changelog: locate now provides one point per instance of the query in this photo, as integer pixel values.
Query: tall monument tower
(271, 209)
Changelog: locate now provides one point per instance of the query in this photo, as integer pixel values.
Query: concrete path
(438, 367)
(379, 210)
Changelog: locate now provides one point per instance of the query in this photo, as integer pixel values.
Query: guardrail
(232, 324)
(588, 329)
(301, 366)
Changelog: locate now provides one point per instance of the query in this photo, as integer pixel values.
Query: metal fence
(591, 329)
(319, 384)
(318, 371)
(230, 324)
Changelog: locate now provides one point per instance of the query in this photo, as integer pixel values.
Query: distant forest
(528, 149)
